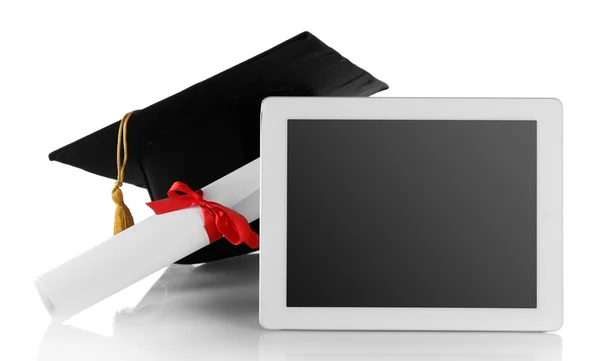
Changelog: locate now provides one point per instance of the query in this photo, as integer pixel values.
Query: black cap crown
(212, 128)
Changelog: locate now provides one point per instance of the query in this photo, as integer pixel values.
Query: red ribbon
(219, 221)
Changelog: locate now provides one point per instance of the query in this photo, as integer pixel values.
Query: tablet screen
(411, 213)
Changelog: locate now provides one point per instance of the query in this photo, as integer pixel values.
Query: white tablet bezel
(275, 113)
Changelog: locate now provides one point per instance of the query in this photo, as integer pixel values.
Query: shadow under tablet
(211, 312)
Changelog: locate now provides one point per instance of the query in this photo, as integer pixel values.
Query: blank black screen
(411, 213)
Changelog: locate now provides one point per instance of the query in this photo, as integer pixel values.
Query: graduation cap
(216, 123)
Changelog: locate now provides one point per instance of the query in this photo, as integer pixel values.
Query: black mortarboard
(217, 123)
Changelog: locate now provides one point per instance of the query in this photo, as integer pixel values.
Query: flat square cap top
(213, 127)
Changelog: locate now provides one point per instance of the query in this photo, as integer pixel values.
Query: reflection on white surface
(211, 312)
(422, 346)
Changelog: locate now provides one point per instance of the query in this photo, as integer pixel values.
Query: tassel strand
(123, 217)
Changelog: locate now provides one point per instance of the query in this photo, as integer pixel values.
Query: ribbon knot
(219, 221)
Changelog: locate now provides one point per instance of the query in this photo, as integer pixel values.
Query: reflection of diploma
(144, 248)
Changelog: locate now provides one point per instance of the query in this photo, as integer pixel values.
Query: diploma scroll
(143, 249)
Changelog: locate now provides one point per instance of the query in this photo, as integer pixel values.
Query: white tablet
(411, 214)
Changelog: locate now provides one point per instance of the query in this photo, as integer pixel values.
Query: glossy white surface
(211, 312)
(71, 67)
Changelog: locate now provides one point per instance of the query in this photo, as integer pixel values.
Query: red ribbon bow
(219, 221)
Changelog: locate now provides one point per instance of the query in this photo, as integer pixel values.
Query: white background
(69, 68)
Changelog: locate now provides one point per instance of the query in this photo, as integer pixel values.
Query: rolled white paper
(143, 249)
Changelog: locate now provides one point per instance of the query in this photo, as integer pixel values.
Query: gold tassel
(123, 217)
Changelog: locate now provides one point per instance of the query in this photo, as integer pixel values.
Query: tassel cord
(123, 217)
